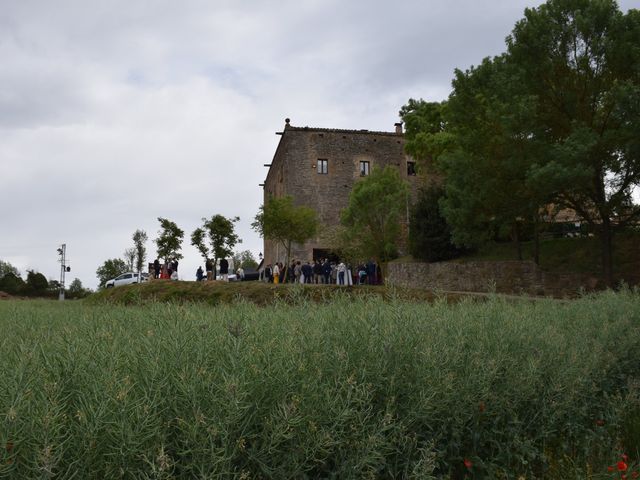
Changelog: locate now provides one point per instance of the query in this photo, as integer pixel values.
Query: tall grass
(356, 388)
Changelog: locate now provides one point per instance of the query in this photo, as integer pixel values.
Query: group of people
(167, 270)
(224, 271)
(321, 271)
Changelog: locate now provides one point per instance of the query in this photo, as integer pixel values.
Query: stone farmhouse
(318, 167)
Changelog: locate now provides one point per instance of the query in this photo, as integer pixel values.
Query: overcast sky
(114, 113)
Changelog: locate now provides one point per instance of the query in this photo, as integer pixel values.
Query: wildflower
(468, 463)
(635, 475)
(600, 422)
(624, 457)
(610, 468)
(622, 466)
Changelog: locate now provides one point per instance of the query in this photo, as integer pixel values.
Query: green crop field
(350, 388)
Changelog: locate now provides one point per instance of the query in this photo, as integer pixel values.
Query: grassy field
(354, 387)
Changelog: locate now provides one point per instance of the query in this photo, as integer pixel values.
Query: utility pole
(62, 251)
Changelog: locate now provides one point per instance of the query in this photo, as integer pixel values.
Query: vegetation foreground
(352, 388)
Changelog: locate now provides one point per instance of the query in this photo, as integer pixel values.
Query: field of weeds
(352, 388)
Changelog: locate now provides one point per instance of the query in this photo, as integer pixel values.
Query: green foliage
(401, 390)
(580, 60)
(377, 205)
(110, 269)
(198, 240)
(430, 237)
(222, 235)
(169, 241)
(139, 245)
(245, 259)
(36, 283)
(12, 284)
(76, 290)
(283, 222)
(6, 267)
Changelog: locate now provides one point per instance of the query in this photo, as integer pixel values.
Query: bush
(12, 284)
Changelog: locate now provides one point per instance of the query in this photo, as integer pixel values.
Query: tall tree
(169, 241)
(130, 258)
(487, 165)
(219, 232)
(377, 205)
(110, 269)
(580, 60)
(139, 245)
(283, 222)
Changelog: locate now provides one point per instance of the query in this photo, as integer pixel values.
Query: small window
(323, 167)
(411, 168)
(364, 169)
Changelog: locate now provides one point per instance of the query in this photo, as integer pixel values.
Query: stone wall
(504, 277)
(294, 172)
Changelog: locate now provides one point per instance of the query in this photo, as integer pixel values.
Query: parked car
(126, 279)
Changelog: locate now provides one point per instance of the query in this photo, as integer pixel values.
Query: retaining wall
(514, 277)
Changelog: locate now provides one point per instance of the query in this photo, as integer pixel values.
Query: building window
(364, 169)
(323, 167)
(411, 168)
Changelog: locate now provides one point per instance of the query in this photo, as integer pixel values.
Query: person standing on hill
(307, 271)
(156, 268)
(326, 270)
(224, 270)
(199, 274)
(276, 273)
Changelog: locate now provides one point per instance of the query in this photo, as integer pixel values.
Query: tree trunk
(606, 242)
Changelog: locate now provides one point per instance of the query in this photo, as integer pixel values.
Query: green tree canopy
(245, 259)
(110, 269)
(430, 236)
(169, 241)
(37, 283)
(6, 267)
(219, 232)
(140, 249)
(283, 222)
(377, 205)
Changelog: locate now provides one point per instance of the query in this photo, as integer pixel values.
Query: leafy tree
(377, 205)
(169, 241)
(580, 61)
(139, 240)
(110, 269)
(37, 283)
(12, 283)
(487, 166)
(219, 232)
(76, 290)
(245, 259)
(281, 221)
(6, 267)
(430, 236)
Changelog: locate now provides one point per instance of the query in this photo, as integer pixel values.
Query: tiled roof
(337, 130)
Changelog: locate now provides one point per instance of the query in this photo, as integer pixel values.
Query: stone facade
(296, 170)
(514, 277)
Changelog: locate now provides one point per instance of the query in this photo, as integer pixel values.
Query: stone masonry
(295, 171)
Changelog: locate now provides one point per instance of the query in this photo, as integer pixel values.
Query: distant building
(318, 168)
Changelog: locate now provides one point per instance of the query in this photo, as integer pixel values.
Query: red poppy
(468, 463)
(600, 422)
(635, 475)
(624, 457)
(622, 466)
(610, 468)
(623, 476)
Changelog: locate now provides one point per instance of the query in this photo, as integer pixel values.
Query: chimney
(398, 128)
(286, 123)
